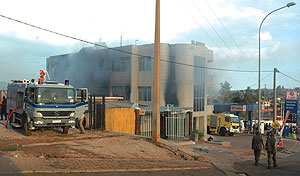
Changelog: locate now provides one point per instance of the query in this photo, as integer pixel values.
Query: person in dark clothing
(3, 108)
(271, 149)
(257, 146)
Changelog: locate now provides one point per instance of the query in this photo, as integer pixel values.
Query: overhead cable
(288, 76)
(119, 50)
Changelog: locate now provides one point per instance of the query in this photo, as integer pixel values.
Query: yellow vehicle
(223, 124)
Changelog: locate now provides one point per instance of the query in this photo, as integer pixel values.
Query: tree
(248, 98)
(225, 92)
(237, 97)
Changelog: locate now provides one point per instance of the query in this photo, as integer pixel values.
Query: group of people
(3, 103)
(258, 145)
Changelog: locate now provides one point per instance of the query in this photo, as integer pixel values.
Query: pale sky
(228, 27)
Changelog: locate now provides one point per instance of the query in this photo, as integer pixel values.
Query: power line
(210, 36)
(289, 76)
(261, 80)
(217, 33)
(119, 50)
(226, 30)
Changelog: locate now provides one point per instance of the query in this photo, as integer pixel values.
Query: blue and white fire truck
(45, 104)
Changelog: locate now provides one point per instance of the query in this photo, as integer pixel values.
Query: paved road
(239, 158)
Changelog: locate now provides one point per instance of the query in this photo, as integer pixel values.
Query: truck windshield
(55, 95)
(234, 120)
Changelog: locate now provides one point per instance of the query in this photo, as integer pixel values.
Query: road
(238, 158)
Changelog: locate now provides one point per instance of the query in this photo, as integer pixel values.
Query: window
(121, 90)
(199, 84)
(227, 119)
(31, 94)
(55, 95)
(145, 94)
(121, 65)
(145, 64)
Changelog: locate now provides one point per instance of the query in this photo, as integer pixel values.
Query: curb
(101, 170)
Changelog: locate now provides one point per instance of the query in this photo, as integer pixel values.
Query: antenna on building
(121, 39)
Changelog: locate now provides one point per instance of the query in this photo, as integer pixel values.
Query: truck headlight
(72, 121)
(72, 114)
(38, 114)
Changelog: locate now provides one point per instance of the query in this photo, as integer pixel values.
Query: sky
(228, 27)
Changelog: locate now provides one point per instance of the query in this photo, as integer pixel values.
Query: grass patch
(135, 138)
(8, 149)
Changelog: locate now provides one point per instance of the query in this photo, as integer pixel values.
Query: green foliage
(200, 134)
(248, 97)
(237, 97)
(12, 148)
(225, 92)
(135, 138)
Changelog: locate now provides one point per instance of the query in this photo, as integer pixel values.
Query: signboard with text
(291, 104)
(291, 95)
(241, 108)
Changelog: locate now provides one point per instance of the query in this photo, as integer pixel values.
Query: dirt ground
(52, 144)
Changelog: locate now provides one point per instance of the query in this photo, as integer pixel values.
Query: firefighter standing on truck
(257, 146)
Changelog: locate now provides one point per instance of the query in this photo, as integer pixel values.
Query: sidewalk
(13, 165)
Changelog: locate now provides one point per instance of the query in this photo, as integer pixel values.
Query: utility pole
(156, 79)
(274, 97)
(264, 102)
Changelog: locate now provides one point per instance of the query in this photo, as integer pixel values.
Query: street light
(259, 92)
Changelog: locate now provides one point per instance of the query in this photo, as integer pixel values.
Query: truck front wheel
(65, 130)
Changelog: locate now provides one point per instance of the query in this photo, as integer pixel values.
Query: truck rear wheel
(26, 130)
(65, 130)
(222, 132)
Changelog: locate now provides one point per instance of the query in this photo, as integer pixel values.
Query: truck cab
(223, 124)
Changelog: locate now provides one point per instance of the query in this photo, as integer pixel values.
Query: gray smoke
(83, 69)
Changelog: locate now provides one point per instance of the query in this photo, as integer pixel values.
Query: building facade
(110, 72)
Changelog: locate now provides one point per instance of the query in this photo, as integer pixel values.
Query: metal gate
(177, 125)
(146, 124)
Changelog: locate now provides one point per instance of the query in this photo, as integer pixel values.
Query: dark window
(227, 119)
(145, 64)
(121, 65)
(145, 94)
(199, 83)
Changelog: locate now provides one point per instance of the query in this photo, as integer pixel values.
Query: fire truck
(44, 104)
(223, 124)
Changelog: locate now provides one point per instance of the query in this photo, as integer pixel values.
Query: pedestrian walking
(257, 146)
(3, 108)
(80, 122)
(271, 149)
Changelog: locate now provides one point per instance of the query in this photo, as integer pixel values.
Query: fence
(177, 125)
(146, 124)
(174, 124)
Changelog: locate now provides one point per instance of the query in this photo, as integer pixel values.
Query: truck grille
(55, 113)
